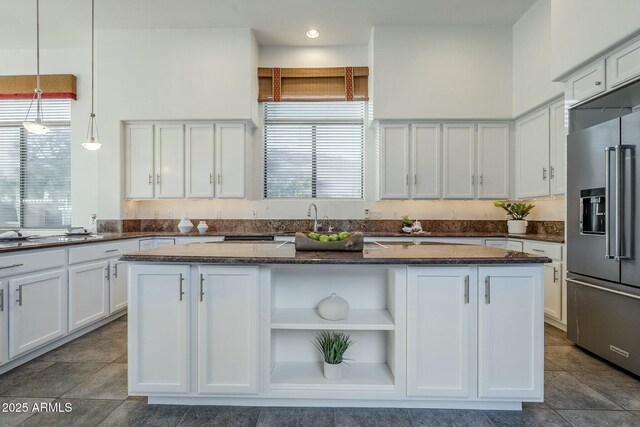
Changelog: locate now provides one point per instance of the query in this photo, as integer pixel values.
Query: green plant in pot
(517, 212)
(333, 345)
(406, 222)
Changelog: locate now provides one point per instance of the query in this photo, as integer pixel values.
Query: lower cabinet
(510, 333)
(553, 290)
(88, 293)
(117, 286)
(159, 329)
(37, 310)
(227, 330)
(441, 331)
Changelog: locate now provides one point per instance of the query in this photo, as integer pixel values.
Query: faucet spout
(316, 226)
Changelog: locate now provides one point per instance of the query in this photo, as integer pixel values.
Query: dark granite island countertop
(285, 253)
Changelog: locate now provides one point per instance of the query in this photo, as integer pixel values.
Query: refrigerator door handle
(607, 200)
(620, 191)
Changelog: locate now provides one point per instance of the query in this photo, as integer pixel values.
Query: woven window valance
(313, 84)
(52, 85)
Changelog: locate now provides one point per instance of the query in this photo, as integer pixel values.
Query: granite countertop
(63, 240)
(285, 253)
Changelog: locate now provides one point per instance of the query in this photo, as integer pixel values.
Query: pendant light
(36, 126)
(93, 142)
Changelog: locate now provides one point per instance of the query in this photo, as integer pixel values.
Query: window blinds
(314, 150)
(35, 170)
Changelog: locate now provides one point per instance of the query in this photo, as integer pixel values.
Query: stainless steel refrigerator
(603, 213)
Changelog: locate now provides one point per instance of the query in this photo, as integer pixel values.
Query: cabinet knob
(598, 83)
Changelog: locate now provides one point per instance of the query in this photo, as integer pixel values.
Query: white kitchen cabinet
(493, 161)
(4, 321)
(425, 161)
(118, 283)
(88, 293)
(496, 243)
(139, 161)
(228, 330)
(200, 147)
(553, 290)
(532, 155)
(159, 329)
(37, 309)
(557, 149)
(510, 332)
(169, 161)
(230, 161)
(441, 332)
(514, 245)
(623, 65)
(394, 161)
(146, 244)
(459, 161)
(586, 83)
(156, 242)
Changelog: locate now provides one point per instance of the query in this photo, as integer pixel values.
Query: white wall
(305, 56)
(532, 84)
(453, 72)
(167, 75)
(584, 29)
(84, 177)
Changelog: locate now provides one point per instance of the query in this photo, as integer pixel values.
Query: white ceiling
(66, 23)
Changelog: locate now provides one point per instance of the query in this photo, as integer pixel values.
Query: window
(35, 170)
(314, 149)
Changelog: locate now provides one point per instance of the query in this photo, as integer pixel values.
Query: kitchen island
(435, 325)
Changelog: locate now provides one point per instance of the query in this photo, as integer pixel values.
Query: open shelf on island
(308, 376)
(308, 318)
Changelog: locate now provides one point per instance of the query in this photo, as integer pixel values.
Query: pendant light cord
(37, 44)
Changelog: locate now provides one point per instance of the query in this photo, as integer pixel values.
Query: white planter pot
(332, 372)
(517, 226)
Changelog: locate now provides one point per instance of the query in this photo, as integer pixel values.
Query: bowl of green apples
(343, 241)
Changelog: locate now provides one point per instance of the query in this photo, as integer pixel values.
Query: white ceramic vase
(185, 225)
(202, 227)
(332, 372)
(517, 226)
(333, 307)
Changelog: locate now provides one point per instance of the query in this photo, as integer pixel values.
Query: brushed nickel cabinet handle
(150, 179)
(219, 178)
(473, 179)
(181, 282)
(544, 174)
(157, 178)
(466, 289)
(201, 287)
(111, 250)
(19, 291)
(11, 266)
(552, 172)
(555, 275)
(210, 178)
(487, 290)
(1, 299)
(115, 271)
(415, 179)
(107, 274)
(481, 179)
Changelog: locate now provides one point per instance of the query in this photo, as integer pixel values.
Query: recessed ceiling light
(313, 34)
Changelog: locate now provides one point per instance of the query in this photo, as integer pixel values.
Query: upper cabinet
(493, 161)
(394, 161)
(623, 65)
(174, 161)
(425, 164)
(459, 161)
(541, 140)
(586, 83)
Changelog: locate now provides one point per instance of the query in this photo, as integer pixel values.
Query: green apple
(344, 235)
(313, 236)
(324, 238)
(334, 238)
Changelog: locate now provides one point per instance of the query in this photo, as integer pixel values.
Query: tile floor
(90, 373)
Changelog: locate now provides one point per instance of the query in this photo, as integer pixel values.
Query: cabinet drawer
(101, 251)
(514, 245)
(624, 65)
(13, 265)
(545, 249)
(587, 83)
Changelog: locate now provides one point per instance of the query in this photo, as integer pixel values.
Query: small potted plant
(406, 224)
(517, 212)
(332, 345)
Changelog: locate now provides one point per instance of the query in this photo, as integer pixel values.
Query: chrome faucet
(330, 229)
(316, 226)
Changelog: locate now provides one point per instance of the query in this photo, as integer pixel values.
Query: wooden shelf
(308, 318)
(308, 376)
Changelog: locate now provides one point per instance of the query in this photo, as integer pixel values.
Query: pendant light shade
(93, 141)
(36, 126)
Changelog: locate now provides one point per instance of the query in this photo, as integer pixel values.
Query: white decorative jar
(333, 307)
(185, 225)
(202, 227)
(517, 226)
(332, 372)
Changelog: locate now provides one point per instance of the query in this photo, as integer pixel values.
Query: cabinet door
(4, 322)
(169, 161)
(228, 330)
(510, 332)
(426, 161)
(513, 245)
(200, 151)
(496, 243)
(532, 155)
(459, 161)
(118, 288)
(88, 293)
(493, 161)
(146, 244)
(624, 65)
(394, 161)
(37, 310)
(161, 243)
(553, 290)
(441, 331)
(558, 149)
(139, 161)
(159, 329)
(585, 84)
(230, 161)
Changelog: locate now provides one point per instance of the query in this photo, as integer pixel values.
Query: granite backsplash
(287, 226)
